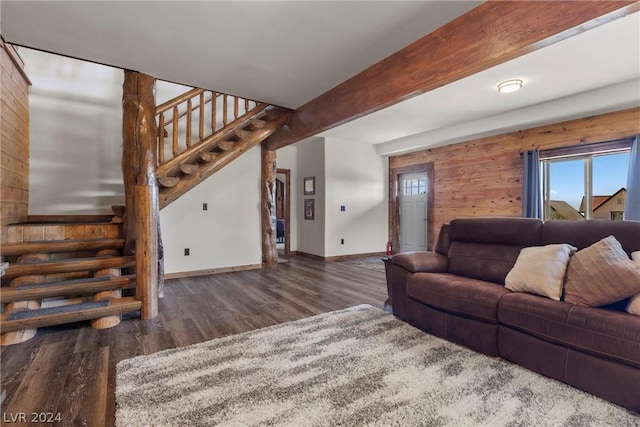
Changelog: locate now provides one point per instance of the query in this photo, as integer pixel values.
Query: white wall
(287, 158)
(226, 235)
(310, 159)
(75, 135)
(347, 173)
(356, 177)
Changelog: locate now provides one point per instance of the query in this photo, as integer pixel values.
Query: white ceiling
(282, 52)
(289, 52)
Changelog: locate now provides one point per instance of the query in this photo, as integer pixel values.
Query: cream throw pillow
(601, 274)
(634, 303)
(540, 270)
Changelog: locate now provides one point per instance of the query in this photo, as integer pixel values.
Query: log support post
(268, 204)
(139, 137)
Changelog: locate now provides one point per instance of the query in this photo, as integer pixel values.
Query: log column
(139, 165)
(268, 180)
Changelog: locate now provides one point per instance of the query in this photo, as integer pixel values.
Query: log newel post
(268, 205)
(141, 190)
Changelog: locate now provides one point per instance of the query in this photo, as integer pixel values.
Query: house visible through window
(586, 182)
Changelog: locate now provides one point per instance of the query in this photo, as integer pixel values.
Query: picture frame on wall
(309, 209)
(310, 186)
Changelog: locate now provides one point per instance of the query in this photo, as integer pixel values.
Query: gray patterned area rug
(358, 366)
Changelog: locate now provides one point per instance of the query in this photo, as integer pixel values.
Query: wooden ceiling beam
(488, 35)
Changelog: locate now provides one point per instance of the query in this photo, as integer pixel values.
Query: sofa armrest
(422, 262)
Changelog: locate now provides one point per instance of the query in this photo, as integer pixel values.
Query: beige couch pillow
(601, 274)
(634, 303)
(540, 270)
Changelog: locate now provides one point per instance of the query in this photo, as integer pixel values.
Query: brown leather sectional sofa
(457, 292)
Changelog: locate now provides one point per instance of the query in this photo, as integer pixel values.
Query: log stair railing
(51, 282)
(200, 132)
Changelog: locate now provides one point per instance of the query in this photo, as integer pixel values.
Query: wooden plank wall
(483, 177)
(14, 168)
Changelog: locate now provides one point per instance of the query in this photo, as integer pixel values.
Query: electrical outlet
(205, 206)
(342, 241)
(186, 252)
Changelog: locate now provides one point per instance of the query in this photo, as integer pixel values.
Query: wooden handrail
(178, 100)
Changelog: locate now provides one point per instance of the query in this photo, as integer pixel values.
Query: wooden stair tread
(116, 306)
(70, 265)
(226, 145)
(168, 181)
(242, 133)
(271, 114)
(35, 291)
(50, 246)
(257, 124)
(208, 156)
(188, 168)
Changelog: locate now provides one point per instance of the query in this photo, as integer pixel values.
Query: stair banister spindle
(224, 109)
(246, 105)
(184, 113)
(214, 103)
(201, 127)
(161, 139)
(175, 131)
(188, 135)
(235, 107)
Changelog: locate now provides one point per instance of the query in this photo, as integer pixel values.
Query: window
(414, 187)
(585, 182)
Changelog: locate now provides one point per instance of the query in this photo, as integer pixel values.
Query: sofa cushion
(633, 306)
(585, 233)
(470, 298)
(605, 333)
(443, 242)
(482, 261)
(487, 248)
(540, 270)
(499, 231)
(601, 274)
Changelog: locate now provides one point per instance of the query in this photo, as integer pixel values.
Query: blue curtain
(531, 194)
(632, 203)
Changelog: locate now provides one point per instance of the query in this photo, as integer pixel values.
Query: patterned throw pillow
(540, 270)
(601, 274)
(634, 303)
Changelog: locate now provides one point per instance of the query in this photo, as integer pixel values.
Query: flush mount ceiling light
(509, 86)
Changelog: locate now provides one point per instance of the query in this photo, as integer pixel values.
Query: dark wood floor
(70, 370)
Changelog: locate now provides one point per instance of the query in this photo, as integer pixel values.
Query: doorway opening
(283, 211)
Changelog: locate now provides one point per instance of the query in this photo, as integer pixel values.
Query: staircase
(223, 128)
(63, 272)
(68, 271)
